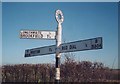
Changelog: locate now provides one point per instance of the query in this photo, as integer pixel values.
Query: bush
(71, 71)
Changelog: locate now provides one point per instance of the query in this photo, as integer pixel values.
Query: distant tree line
(71, 71)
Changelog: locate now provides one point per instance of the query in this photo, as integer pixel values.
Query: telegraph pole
(59, 18)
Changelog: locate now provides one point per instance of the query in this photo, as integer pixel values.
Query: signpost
(82, 45)
(35, 34)
(40, 51)
(88, 44)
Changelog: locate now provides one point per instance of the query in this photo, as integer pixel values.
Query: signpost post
(88, 44)
(59, 18)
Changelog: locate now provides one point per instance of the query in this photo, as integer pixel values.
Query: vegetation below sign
(71, 71)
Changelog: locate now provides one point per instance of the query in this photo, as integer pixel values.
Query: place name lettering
(35, 51)
(72, 47)
(50, 49)
(64, 47)
(31, 34)
(37, 34)
(69, 47)
(96, 46)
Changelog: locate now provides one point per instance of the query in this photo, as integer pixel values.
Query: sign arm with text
(82, 45)
(35, 34)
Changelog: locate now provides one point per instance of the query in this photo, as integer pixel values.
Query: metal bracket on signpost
(59, 18)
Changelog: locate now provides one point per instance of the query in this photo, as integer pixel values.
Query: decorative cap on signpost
(59, 16)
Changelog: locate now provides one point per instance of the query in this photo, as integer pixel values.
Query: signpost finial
(59, 16)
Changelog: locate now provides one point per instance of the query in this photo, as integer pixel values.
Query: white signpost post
(88, 44)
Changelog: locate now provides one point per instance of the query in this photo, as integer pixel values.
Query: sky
(59, 0)
(0, 34)
(81, 21)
